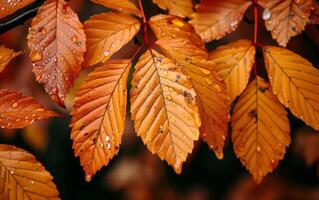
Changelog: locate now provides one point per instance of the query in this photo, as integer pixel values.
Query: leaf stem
(255, 32)
(145, 22)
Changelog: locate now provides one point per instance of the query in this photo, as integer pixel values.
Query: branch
(20, 16)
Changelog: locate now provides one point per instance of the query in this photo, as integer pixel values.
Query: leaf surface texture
(285, 18)
(164, 108)
(261, 129)
(182, 8)
(6, 55)
(210, 88)
(57, 42)
(295, 81)
(213, 19)
(18, 111)
(106, 34)
(99, 115)
(234, 62)
(23, 177)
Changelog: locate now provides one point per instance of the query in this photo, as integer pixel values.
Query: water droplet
(197, 120)
(11, 172)
(108, 146)
(107, 138)
(15, 105)
(258, 148)
(88, 177)
(219, 155)
(158, 60)
(106, 53)
(205, 71)
(32, 182)
(35, 56)
(43, 30)
(217, 88)
(174, 104)
(178, 22)
(101, 144)
(171, 89)
(223, 137)
(266, 14)
(169, 97)
(74, 39)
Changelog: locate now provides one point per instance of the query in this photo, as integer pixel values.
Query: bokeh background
(136, 174)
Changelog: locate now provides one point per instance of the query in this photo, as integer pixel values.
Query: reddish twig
(145, 23)
(255, 32)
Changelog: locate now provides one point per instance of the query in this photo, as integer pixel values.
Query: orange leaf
(285, 18)
(126, 6)
(57, 43)
(210, 88)
(234, 62)
(23, 177)
(164, 108)
(171, 27)
(182, 8)
(106, 34)
(99, 115)
(261, 129)
(6, 55)
(18, 111)
(8, 7)
(213, 19)
(295, 82)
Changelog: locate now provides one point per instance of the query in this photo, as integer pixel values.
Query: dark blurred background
(136, 174)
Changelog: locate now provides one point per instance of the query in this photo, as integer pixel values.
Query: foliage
(179, 93)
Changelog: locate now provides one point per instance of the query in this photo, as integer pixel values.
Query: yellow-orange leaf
(182, 8)
(107, 33)
(285, 18)
(23, 177)
(126, 6)
(57, 43)
(18, 111)
(296, 83)
(99, 115)
(210, 88)
(213, 19)
(234, 62)
(171, 27)
(164, 108)
(6, 55)
(261, 129)
(7, 7)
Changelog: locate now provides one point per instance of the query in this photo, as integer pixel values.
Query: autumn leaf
(260, 129)
(171, 27)
(6, 55)
(213, 19)
(57, 43)
(285, 18)
(164, 109)
(106, 34)
(18, 111)
(23, 177)
(99, 115)
(8, 7)
(295, 82)
(234, 62)
(210, 88)
(182, 8)
(126, 6)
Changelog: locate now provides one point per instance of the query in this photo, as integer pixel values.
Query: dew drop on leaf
(178, 22)
(266, 14)
(35, 56)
